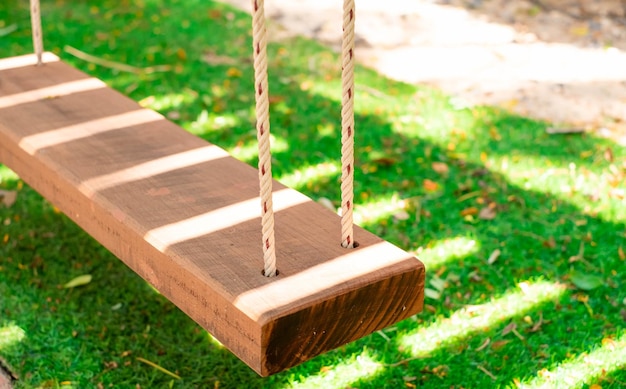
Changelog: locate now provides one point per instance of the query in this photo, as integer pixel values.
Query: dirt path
(559, 60)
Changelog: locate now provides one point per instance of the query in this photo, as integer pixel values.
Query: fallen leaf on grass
(538, 325)
(233, 72)
(586, 281)
(162, 369)
(550, 243)
(8, 197)
(484, 344)
(432, 294)
(508, 328)
(618, 194)
(382, 159)
(490, 374)
(487, 213)
(620, 252)
(441, 168)
(494, 256)
(401, 215)
(497, 345)
(609, 344)
(469, 211)
(437, 283)
(215, 59)
(173, 115)
(78, 281)
(7, 30)
(430, 185)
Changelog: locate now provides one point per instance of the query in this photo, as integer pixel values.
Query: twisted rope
(259, 43)
(347, 126)
(35, 21)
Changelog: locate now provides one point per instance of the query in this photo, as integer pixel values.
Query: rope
(261, 94)
(35, 20)
(347, 126)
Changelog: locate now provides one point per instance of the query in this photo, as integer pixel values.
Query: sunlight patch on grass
(306, 175)
(381, 208)
(169, 101)
(214, 341)
(444, 251)
(594, 192)
(11, 334)
(584, 368)
(541, 174)
(341, 374)
(7, 174)
(208, 122)
(250, 150)
(471, 319)
(328, 90)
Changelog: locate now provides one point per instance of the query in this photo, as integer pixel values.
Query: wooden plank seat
(185, 216)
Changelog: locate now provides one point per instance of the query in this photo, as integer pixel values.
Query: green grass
(517, 321)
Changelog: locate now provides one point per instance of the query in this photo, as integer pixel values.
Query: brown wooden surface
(184, 215)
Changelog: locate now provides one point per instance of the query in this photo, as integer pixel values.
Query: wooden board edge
(300, 336)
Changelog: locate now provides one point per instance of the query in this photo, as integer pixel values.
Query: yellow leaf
(620, 252)
(181, 54)
(595, 386)
(493, 132)
(233, 72)
(609, 343)
(78, 281)
(469, 211)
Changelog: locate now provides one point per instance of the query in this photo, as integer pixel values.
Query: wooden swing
(184, 215)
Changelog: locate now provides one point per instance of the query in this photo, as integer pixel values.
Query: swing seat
(184, 215)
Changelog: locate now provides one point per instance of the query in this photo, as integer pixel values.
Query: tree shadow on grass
(95, 333)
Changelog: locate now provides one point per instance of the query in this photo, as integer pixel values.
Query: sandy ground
(559, 60)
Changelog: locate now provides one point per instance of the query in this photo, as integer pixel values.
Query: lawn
(523, 233)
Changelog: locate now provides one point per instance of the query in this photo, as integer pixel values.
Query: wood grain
(185, 216)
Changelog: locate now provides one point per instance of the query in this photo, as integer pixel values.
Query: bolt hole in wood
(355, 245)
(263, 273)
